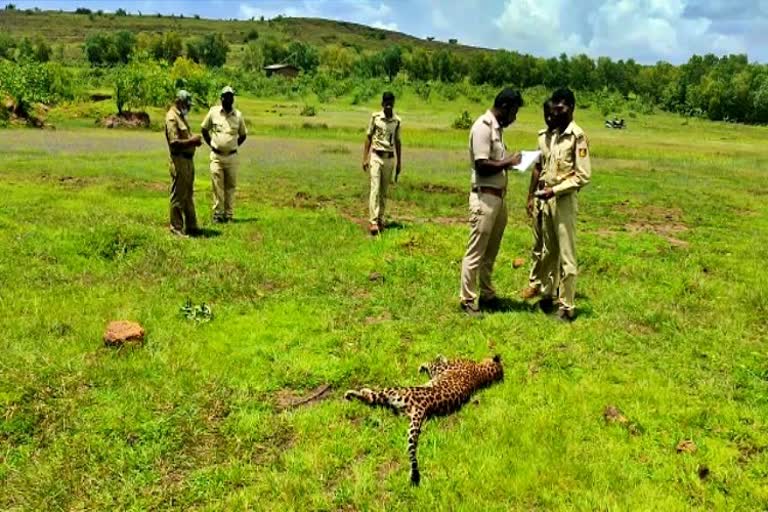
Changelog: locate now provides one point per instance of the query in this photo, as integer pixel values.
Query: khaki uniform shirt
(544, 139)
(384, 133)
(568, 167)
(177, 128)
(486, 142)
(225, 128)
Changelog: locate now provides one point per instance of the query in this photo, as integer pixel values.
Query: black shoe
(547, 305)
(219, 220)
(471, 310)
(566, 316)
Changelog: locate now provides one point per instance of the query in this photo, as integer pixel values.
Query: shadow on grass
(507, 305)
(207, 233)
(395, 225)
(246, 220)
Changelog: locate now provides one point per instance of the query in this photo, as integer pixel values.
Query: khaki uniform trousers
(559, 248)
(543, 269)
(487, 221)
(183, 214)
(223, 184)
(380, 172)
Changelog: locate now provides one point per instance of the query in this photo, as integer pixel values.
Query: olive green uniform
(225, 129)
(385, 135)
(487, 210)
(182, 170)
(567, 170)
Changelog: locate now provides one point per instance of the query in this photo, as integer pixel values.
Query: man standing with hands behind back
(228, 132)
(487, 200)
(382, 145)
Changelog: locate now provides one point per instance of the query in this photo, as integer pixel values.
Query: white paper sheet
(528, 158)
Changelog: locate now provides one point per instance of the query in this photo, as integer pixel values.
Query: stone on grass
(121, 332)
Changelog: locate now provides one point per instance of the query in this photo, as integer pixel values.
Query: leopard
(451, 385)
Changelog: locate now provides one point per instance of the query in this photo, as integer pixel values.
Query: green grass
(671, 330)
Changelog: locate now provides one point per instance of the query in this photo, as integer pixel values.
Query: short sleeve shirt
(384, 133)
(177, 128)
(225, 128)
(486, 142)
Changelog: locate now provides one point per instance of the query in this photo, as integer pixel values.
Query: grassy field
(672, 301)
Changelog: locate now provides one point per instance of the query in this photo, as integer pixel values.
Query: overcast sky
(646, 30)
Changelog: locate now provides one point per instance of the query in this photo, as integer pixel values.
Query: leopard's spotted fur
(450, 386)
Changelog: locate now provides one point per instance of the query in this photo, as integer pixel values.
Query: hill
(70, 29)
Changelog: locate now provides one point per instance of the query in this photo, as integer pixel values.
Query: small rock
(375, 276)
(518, 262)
(686, 446)
(120, 332)
(612, 414)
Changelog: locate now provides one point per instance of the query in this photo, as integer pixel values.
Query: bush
(463, 122)
(308, 111)
(142, 84)
(28, 83)
(211, 50)
(252, 35)
(193, 77)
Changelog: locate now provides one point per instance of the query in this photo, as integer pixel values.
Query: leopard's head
(492, 369)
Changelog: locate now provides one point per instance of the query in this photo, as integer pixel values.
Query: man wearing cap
(382, 145)
(224, 131)
(181, 145)
(487, 207)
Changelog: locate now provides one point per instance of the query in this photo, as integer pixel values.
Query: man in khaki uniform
(382, 145)
(535, 208)
(487, 207)
(224, 131)
(568, 169)
(182, 144)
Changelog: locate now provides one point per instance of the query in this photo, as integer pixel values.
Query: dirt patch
(613, 416)
(290, 399)
(305, 201)
(373, 320)
(436, 188)
(686, 446)
(658, 220)
(125, 120)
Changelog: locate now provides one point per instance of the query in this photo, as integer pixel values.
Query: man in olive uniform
(224, 131)
(487, 206)
(382, 145)
(182, 144)
(567, 170)
(535, 213)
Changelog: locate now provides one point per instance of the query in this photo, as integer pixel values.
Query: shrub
(308, 111)
(463, 122)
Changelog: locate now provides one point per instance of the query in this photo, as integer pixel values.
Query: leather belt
(488, 190)
(223, 153)
(384, 154)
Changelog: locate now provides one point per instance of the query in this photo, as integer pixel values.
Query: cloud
(646, 30)
(385, 26)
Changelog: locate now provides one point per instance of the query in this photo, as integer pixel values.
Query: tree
(274, 51)
(392, 61)
(253, 57)
(25, 51)
(124, 44)
(103, 49)
(418, 65)
(338, 61)
(121, 12)
(303, 56)
(447, 67)
(42, 50)
(210, 50)
(7, 45)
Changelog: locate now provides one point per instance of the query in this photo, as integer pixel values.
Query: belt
(223, 153)
(488, 190)
(384, 154)
(188, 156)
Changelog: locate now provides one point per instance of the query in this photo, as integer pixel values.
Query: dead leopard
(450, 386)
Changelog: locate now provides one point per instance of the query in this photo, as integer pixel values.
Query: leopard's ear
(497, 358)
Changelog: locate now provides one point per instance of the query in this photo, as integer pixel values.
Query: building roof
(275, 67)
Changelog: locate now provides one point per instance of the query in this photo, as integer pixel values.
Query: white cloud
(385, 26)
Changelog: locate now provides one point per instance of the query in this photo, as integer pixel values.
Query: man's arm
(205, 128)
(535, 175)
(398, 152)
(582, 169)
(487, 167)
(367, 145)
(242, 133)
(174, 142)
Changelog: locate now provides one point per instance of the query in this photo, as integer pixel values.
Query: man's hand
(545, 193)
(397, 171)
(366, 165)
(196, 140)
(514, 160)
(529, 206)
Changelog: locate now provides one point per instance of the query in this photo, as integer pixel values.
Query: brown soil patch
(658, 220)
(290, 399)
(686, 446)
(125, 120)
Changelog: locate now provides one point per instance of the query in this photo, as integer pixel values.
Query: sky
(644, 30)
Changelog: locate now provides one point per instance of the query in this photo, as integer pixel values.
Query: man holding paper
(487, 206)
(567, 169)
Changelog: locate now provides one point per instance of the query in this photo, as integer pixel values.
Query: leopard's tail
(389, 397)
